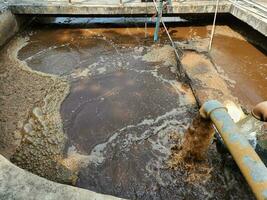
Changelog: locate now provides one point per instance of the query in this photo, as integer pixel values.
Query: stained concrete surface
(9, 24)
(113, 7)
(205, 80)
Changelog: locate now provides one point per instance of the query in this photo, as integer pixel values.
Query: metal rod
(170, 38)
(214, 25)
(178, 55)
(159, 11)
(245, 156)
(146, 29)
(146, 22)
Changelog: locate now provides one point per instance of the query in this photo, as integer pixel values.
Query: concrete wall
(254, 17)
(254, 20)
(9, 24)
(128, 8)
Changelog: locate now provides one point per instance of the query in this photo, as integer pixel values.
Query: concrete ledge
(254, 20)
(199, 7)
(205, 81)
(241, 10)
(126, 9)
(18, 184)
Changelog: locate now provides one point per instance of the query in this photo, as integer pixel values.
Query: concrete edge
(255, 21)
(18, 184)
(127, 8)
(252, 19)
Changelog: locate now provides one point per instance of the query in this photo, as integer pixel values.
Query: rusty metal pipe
(246, 158)
(260, 111)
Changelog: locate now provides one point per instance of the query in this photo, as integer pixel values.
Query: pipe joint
(210, 106)
(245, 156)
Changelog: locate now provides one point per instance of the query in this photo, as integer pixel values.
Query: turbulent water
(126, 105)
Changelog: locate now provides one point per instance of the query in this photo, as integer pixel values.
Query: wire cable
(213, 25)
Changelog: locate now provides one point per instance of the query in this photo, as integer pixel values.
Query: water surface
(122, 111)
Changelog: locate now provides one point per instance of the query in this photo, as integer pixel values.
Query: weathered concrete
(255, 17)
(205, 80)
(23, 185)
(207, 84)
(8, 24)
(253, 13)
(128, 8)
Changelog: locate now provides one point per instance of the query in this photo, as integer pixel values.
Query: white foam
(101, 70)
(97, 154)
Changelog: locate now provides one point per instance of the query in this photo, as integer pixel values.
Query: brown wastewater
(95, 103)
